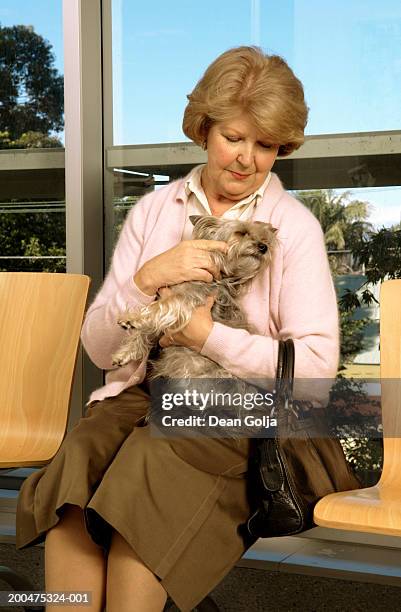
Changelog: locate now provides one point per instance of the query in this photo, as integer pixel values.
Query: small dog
(250, 250)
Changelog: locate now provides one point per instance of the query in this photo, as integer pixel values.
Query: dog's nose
(262, 247)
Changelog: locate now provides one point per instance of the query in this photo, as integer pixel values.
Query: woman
(134, 517)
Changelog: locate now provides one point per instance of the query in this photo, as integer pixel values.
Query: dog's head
(250, 244)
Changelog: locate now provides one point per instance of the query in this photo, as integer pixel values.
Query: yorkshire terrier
(250, 250)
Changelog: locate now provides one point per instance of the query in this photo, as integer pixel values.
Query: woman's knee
(71, 525)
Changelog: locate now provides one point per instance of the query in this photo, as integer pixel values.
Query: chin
(237, 186)
(237, 193)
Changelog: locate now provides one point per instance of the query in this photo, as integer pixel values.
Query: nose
(262, 247)
(245, 155)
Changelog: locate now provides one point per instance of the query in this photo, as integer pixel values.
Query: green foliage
(31, 90)
(380, 254)
(351, 333)
(364, 454)
(29, 140)
(33, 234)
(354, 418)
(34, 248)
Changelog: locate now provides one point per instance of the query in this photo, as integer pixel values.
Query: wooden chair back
(40, 322)
(390, 373)
(377, 509)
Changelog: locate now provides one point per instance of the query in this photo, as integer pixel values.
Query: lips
(239, 176)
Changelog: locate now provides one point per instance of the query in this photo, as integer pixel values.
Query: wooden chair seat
(374, 509)
(40, 322)
(377, 509)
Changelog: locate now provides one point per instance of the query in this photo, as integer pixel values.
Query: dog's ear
(195, 219)
(269, 225)
(207, 220)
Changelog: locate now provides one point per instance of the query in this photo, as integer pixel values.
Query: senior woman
(131, 517)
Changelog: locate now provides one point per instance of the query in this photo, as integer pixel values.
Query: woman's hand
(189, 260)
(194, 334)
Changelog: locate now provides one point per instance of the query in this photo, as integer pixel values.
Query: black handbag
(290, 472)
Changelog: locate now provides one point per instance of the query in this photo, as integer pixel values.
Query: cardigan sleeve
(101, 335)
(307, 313)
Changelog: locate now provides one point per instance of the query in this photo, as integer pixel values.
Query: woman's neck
(218, 203)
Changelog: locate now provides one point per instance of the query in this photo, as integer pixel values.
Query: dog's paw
(135, 349)
(120, 358)
(126, 323)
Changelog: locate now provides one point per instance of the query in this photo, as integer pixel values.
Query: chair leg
(19, 583)
(206, 605)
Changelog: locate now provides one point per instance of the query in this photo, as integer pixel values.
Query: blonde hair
(245, 79)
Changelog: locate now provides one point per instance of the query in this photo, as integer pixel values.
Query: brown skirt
(178, 502)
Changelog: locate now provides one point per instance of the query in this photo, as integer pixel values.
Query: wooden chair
(377, 509)
(40, 322)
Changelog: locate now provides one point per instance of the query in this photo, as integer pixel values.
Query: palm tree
(343, 222)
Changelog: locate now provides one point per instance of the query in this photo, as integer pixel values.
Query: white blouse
(198, 205)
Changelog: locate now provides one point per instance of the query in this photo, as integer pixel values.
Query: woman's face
(239, 159)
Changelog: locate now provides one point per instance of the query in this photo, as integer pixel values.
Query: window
(32, 195)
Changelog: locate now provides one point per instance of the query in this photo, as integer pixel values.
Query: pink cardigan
(294, 298)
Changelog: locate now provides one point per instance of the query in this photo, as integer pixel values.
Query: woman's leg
(73, 562)
(131, 586)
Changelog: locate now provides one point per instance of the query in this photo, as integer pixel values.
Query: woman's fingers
(164, 341)
(189, 260)
(212, 272)
(206, 262)
(203, 275)
(164, 291)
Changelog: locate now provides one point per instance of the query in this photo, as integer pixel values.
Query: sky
(346, 53)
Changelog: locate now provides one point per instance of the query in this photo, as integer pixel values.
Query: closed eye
(264, 145)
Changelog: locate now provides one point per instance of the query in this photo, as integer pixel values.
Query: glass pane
(160, 50)
(32, 194)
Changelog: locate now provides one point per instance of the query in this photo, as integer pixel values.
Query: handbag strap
(289, 363)
(280, 361)
(285, 375)
(286, 362)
